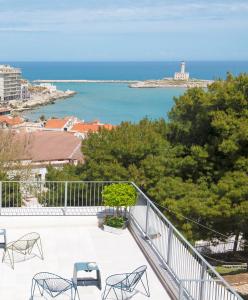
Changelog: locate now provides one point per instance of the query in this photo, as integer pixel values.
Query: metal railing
(193, 276)
(220, 247)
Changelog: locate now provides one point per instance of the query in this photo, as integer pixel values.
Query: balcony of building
(68, 217)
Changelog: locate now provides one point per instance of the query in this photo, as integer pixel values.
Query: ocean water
(114, 103)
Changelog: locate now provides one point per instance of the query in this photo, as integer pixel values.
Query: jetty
(83, 81)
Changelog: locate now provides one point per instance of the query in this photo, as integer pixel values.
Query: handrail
(220, 278)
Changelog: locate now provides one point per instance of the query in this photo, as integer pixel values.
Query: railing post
(202, 284)
(170, 234)
(147, 219)
(1, 195)
(180, 290)
(66, 193)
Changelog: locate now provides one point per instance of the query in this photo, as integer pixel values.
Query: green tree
(195, 166)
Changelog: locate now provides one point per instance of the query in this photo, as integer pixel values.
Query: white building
(182, 75)
(25, 94)
(50, 87)
(10, 83)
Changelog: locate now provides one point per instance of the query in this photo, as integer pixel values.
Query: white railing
(194, 277)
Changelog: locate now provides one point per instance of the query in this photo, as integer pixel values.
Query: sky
(123, 30)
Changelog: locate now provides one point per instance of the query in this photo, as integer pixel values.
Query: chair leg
(12, 259)
(41, 290)
(147, 290)
(33, 289)
(105, 296)
(117, 295)
(76, 292)
(39, 245)
(3, 255)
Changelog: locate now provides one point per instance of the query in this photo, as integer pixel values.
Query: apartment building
(10, 83)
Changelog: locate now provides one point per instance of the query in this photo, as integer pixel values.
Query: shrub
(119, 195)
(116, 222)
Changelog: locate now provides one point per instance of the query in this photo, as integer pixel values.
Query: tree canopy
(195, 165)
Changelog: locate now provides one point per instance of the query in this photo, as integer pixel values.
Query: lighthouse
(182, 75)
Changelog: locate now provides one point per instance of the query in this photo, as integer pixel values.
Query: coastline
(40, 99)
(152, 83)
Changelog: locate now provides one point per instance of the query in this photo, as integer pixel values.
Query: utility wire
(204, 226)
(222, 261)
(191, 220)
(194, 221)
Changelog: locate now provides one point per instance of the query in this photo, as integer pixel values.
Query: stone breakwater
(170, 83)
(83, 81)
(153, 83)
(40, 98)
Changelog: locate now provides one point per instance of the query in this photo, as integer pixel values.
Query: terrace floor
(67, 240)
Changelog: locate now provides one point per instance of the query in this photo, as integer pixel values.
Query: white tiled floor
(67, 240)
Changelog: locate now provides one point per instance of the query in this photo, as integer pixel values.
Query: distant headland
(180, 79)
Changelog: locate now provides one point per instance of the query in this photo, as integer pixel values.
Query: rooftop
(56, 123)
(90, 127)
(50, 146)
(66, 215)
(8, 69)
(11, 121)
(66, 240)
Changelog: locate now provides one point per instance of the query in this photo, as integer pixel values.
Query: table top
(85, 266)
(2, 231)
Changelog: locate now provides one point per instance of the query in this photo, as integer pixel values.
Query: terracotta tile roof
(84, 127)
(50, 146)
(11, 121)
(56, 123)
(90, 127)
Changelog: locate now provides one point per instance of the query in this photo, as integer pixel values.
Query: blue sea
(114, 103)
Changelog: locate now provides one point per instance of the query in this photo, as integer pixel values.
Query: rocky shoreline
(40, 98)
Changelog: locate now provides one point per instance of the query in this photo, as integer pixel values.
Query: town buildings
(60, 124)
(49, 87)
(10, 83)
(25, 93)
(55, 142)
(40, 149)
(182, 75)
(9, 122)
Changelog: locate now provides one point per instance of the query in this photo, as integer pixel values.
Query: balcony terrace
(67, 216)
(67, 240)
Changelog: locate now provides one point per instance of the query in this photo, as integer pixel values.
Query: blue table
(87, 267)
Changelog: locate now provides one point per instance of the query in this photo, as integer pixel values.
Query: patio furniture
(3, 238)
(87, 267)
(53, 285)
(126, 282)
(23, 246)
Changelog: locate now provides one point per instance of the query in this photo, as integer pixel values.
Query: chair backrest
(134, 277)
(26, 242)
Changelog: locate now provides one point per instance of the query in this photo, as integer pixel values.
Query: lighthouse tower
(183, 67)
(182, 75)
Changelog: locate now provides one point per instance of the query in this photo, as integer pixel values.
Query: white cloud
(77, 19)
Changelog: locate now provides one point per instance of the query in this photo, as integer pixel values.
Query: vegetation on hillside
(194, 165)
